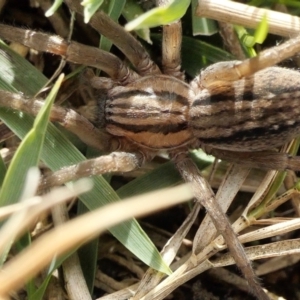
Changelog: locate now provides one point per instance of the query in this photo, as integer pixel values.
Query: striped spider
(234, 110)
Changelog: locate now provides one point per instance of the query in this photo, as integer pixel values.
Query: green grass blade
(88, 255)
(2, 170)
(90, 7)
(202, 26)
(261, 31)
(160, 15)
(131, 10)
(248, 41)
(28, 153)
(161, 177)
(53, 8)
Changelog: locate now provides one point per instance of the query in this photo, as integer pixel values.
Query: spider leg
(68, 118)
(233, 71)
(206, 197)
(114, 162)
(171, 47)
(133, 50)
(73, 52)
(230, 40)
(268, 160)
(171, 50)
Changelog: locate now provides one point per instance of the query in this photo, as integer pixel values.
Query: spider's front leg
(68, 118)
(72, 51)
(88, 133)
(113, 162)
(130, 46)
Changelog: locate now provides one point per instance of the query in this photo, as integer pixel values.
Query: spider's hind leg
(235, 70)
(268, 160)
(206, 197)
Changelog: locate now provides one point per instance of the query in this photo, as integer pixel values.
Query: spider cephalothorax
(153, 112)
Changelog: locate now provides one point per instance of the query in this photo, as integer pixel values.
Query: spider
(234, 110)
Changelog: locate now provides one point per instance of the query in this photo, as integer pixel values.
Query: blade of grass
(164, 176)
(26, 156)
(202, 26)
(131, 10)
(90, 7)
(2, 170)
(88, 256)
(162, 15)
(28, 153)
(53, 8)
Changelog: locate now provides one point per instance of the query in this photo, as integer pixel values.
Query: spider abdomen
(252, 114)
(152, 112)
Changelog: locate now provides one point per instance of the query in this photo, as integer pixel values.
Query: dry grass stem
(199, 263)
(75, 283)
(249, 16)
(61, 239)
(32, 208)
(254, 253)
